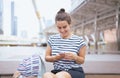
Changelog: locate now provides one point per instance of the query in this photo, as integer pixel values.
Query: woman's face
(63, 28)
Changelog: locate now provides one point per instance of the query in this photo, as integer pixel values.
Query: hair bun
(62, 10)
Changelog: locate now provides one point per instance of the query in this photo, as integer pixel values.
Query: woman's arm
(49, 57)
(80, 58)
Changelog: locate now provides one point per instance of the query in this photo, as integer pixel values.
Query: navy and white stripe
(59, 45)
(30, 66)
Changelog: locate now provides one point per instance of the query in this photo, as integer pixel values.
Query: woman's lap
(75, 72)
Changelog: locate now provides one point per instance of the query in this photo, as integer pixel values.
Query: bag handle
(42, 68)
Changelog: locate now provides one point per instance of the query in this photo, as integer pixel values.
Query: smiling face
(64, 29)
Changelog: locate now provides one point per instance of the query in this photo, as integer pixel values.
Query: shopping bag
(32, 67)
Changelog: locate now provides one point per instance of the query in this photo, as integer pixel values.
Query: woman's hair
(63, 16)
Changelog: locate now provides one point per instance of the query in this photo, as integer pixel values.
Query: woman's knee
(48, 75)
(63, 74)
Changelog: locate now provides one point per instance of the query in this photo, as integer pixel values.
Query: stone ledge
(94, 64)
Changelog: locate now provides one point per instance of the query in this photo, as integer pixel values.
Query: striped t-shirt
(59, 45)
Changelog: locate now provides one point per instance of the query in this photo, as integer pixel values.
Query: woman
(65, 50)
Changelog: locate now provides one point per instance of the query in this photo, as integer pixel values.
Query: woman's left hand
(70, 56)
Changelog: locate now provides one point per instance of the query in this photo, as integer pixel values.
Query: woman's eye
(64, 27)
(59, 27)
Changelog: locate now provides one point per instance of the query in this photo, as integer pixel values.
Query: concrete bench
(94, 64)
(10, 57)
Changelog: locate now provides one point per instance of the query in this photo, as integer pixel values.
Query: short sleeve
(82, 43)
(49, 42)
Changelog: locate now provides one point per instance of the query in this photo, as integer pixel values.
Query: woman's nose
(62, 30)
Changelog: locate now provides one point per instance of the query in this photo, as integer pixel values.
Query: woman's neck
(68, 36)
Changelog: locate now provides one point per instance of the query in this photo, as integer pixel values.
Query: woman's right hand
(60, 56)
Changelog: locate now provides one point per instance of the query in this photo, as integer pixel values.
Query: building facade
(98, 21)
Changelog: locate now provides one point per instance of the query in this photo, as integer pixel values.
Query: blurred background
(25, 26)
